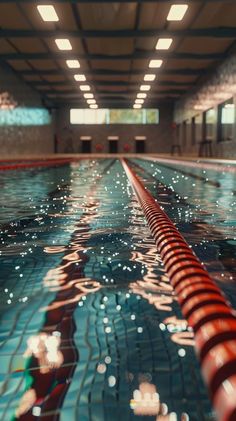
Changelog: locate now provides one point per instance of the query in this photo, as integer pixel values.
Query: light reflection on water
(101, 320)
(205, 215)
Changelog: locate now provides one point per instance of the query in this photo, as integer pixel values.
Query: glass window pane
(211, 119)
(114, 116)
(23, 116)
(227, 120)
(152, 116)
(126, 116)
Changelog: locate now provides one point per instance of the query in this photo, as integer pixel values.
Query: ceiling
(114, 42)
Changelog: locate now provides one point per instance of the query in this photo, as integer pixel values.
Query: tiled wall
(218, 88)
(159, 136)
(23, 139)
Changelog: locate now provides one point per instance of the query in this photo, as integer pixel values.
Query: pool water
(90, 326)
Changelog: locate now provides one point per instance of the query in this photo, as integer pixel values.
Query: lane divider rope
(202, 302)
(49, 163)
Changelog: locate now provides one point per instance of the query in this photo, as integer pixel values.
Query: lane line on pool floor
(202, 302)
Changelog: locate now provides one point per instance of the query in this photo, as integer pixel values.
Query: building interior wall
(23, 138)
(190, 113)
(159, 137)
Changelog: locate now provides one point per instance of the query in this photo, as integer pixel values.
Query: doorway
(113, 146)
(140, 146)
(86, 146)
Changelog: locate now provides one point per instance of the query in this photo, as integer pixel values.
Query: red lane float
(203, 304)
(48, 163)
(194, 164)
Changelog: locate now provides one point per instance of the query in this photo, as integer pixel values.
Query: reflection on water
(101, 335)
(146, 401)
(203, 210)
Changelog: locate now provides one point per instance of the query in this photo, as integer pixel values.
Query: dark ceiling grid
(41, 93)
(137, 55)
(200, 34)
(83, 40)
(108, 72)
(167, 92)
(108, 1)
(191, 56)
(136, 28)
(109, 83)
(210, 56)
(214, 32)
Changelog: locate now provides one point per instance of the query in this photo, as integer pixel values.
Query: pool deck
(102, 155)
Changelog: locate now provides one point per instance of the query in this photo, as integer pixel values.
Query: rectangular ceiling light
(73, 64)
(84, 87)
(145, 88)
(140, 137)
(48, 13)
(85, 137)
(137, 106)
(139, 101)
(149, 78)
(155, 64)
(113, 137)
(63, 44)
(93, 106)
(88, 96)
(80, 78)
(91, 101)
(141, 95)
(164, 43)
(177, 12)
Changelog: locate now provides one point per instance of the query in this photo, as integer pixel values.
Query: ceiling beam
(112, 105)
(72, 92)
(101, 57)
(215, 32)
(108, 1)
(106, 83)
(118, 72)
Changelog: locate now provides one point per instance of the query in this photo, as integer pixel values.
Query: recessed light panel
(149, 78)
(73, 64)
(177, 12)
(145, 88)
(80, 78)
(87, 96)
(155, 64)
(63, 44)
(164, 43)
(141, 95)
(48, 13)
(84, 87)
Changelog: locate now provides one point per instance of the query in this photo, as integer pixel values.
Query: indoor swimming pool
(91, 328)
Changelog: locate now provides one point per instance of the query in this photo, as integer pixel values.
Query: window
(126, 116)
(197, 129)
(227, 119)
(210, 120)
(87, 116)
(23, 116)
(114, 116)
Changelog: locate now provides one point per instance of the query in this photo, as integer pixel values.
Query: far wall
(23, 139)
(159, 136)
(218, 88)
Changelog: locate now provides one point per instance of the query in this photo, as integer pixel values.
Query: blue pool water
(90, 326)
